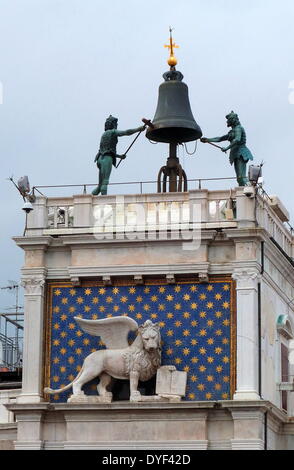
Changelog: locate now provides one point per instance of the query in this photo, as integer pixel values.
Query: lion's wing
(113, 331)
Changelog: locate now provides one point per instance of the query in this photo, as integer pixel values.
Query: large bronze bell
(174, 124)
(173, 121)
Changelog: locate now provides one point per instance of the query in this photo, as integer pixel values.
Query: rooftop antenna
(13, 286)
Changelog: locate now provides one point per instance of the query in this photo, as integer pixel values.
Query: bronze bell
(173, 121)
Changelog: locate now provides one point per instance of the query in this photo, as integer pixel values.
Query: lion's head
(151, 338)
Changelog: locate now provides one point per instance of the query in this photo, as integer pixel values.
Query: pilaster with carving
(33, 339)
(247, 333)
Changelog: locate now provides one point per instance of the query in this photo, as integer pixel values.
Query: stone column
(247, 334)
(33, 340)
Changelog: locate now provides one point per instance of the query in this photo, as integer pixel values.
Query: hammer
(148, 123)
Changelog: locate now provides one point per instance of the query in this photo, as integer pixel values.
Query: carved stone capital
(246, 278)
(245, 274)
(33, 285)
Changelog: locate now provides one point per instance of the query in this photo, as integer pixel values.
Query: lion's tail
(52, 391)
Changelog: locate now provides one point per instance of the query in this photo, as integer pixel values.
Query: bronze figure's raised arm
(239, 153)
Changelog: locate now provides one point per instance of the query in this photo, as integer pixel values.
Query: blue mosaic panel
(195, 322)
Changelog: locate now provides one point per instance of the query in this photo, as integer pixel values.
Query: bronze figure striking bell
(173, 121)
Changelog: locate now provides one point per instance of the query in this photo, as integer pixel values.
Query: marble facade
(160, 246)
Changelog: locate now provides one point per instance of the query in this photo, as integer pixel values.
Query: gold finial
(172, 61)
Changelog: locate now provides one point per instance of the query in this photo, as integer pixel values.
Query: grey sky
(65, 65)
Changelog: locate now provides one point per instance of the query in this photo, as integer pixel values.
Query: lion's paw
(135, 396)
(78, 393)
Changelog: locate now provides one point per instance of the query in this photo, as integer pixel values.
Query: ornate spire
(172, 61)
(172, 74)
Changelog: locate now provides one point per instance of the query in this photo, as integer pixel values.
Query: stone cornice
(151, 269)
(35, 242)
(126, 406)
(129, 270)
(250, 234)
(91, 240)
(34, 272)
(270, 250)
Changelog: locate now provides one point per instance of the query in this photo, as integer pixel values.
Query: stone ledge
(6, 444)
(139, 445)
(247, 444)
(148, 408)
(126, 425)
(126, 405)
(8, 433)
(8, 426)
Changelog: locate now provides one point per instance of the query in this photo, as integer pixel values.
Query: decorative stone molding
(40, 241)
(203, 276)
(246, 278)
(247, 444)
(170, 279)
(33, 285)
(106, 280)
(134, 270)
(219, 444)
(75, 281)
(138, 445)
(245, 275)
(248, 413)
(138, 279)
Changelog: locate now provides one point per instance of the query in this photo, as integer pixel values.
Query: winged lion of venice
(138, 361)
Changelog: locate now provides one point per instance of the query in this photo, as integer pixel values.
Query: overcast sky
(65, 65)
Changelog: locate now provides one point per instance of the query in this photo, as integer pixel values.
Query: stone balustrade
(157, 212)
(268, 219)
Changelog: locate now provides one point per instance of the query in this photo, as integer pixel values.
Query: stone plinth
(124, 425)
